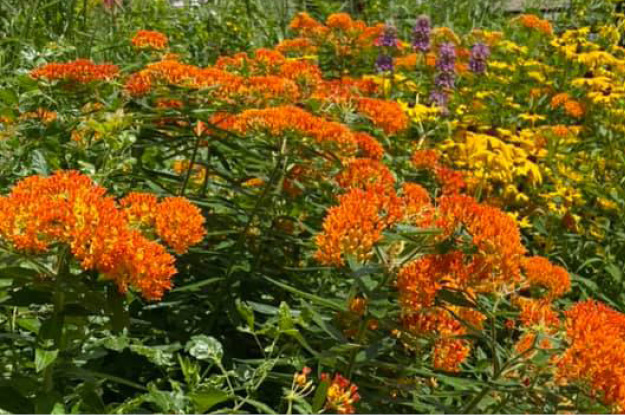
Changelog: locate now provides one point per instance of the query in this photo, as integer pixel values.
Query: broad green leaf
(204, 347)
(207, 397)
(44, 358)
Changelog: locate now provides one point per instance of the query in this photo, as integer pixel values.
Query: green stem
(58, 303)
(196, 148)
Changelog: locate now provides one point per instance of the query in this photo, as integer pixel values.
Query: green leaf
(285, 320)
(319, 399)
(247, 313)
(455, 297)
(18, 273)
(157, 356)
(44, 358)
(204, 347)
(614, 271)
(207, 397)
(316, 299)
(196, 285)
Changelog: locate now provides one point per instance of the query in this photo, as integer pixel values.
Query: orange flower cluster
(172, 72)
(298, 46)
(149, 39)
(364, 173)
(451, 181)
(261, 89)
(385, 114)
(537, 313)
(368, 146)
(491, 264)
(175, 220)
(371, 205)
(494, 234)
(303, 24)
(40, 114)
(255, 90)
(534, 22)
(69, 208)
(81, 71)
(347, 36)
(305, 74)
(279, 120)
(341, 395)
(264, 62)
(425, 159)
(539, 271)
(356, 224)
(595, 356)
(559, 100)
(574, 109)
(344, 90)
(418, 284)
(418, 209)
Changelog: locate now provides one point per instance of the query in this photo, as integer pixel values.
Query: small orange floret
(179, 223)
(574, 109)
(340, 21)
(140, 208)
(558, 100)
(354, 226)
(368, 146)
(149, 39)
(341, 395)
(425, 159)
(595, 356)
(385, 114)
(539, 271)
(364, 173)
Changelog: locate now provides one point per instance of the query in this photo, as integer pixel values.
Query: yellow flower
(419, 113)
(533, 118)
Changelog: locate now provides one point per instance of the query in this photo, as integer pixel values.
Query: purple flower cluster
(387, 42)
(388, 38)
(384, 63)
(446, 61)
(439, 98)
(479, 54)
(445, 77)
(445, 80)
(421, 34)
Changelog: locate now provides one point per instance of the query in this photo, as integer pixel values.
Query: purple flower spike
(421, 34)
(479, 54)
(384, 63)
(388, 38)
(446, 61)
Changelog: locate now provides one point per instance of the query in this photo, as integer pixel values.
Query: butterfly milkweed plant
(323, 208)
